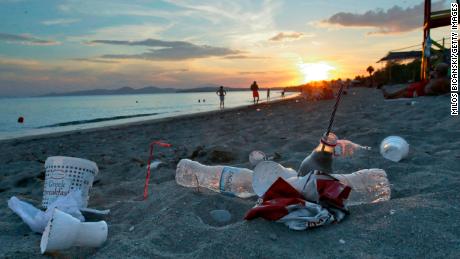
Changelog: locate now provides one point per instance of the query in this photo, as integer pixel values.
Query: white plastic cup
(266, 173)
(65, 174)
(64, 231)
(394, 148)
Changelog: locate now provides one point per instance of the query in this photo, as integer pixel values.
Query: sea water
(63, 113)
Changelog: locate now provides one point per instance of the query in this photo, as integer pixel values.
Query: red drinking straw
(147, 178)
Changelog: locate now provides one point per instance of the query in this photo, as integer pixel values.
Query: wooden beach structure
(431, 20)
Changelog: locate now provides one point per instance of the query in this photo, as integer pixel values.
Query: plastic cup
(394, 148)
(266, 173)
(64, 231)
(65, 174)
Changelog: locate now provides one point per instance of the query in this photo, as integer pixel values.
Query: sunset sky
(68, 45)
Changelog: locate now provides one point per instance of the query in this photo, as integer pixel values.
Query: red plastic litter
(147, 178)
(21, 119)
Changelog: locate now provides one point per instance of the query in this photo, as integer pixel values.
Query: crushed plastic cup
(37, 219)
(66, 174)
(394, 148)
(64, 231)
(256, 156)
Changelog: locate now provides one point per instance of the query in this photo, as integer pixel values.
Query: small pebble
(131, 228)
(221, 216)
(273, 237)
(341, 241)
(392, 212)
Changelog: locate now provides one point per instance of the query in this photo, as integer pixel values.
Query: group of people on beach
(221, 92)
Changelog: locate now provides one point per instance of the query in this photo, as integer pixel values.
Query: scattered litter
(266, 173)
(154, 164)
(256, 156)
(37, 219)
(147, 177)
(392, 212)
(284, 204)
(394, 148)
(320, 159)
(64, 231)
(368, 186)
(273, 236)
(258, 109)
(94, 211)
(228, 180)
(299, 200)
(60, 178)
(341, 241)
(131, 228)
(221, 216)
(346, 148)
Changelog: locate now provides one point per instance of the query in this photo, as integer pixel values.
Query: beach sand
(420, 221)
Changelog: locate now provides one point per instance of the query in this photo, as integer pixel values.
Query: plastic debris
(64, 231)
(394, 148)
(37, 219)
(256, 156)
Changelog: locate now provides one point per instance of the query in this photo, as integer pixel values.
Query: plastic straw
(147, 178)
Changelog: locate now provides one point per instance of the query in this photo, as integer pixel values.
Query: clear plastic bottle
(224, 179)
(320, 158)
(368, 186)
(346, 148)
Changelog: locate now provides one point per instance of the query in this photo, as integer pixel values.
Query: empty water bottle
(346, 148)
(224, 179)
(368, 186)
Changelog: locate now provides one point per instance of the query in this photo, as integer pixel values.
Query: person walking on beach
(221, 93)
(268, 94)
(255, 92)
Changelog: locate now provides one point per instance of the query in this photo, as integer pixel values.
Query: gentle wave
(97, 120)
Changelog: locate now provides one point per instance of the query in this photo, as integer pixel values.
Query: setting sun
(315, 71)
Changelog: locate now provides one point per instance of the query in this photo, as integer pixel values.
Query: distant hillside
(123, 90)
(209, 89)
(152, 90)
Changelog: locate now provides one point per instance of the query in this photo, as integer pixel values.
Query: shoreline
(147, 121)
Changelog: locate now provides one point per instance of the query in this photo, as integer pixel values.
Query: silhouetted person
(282, 93)
(255, 92)
(268, 94)
(221, 93)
